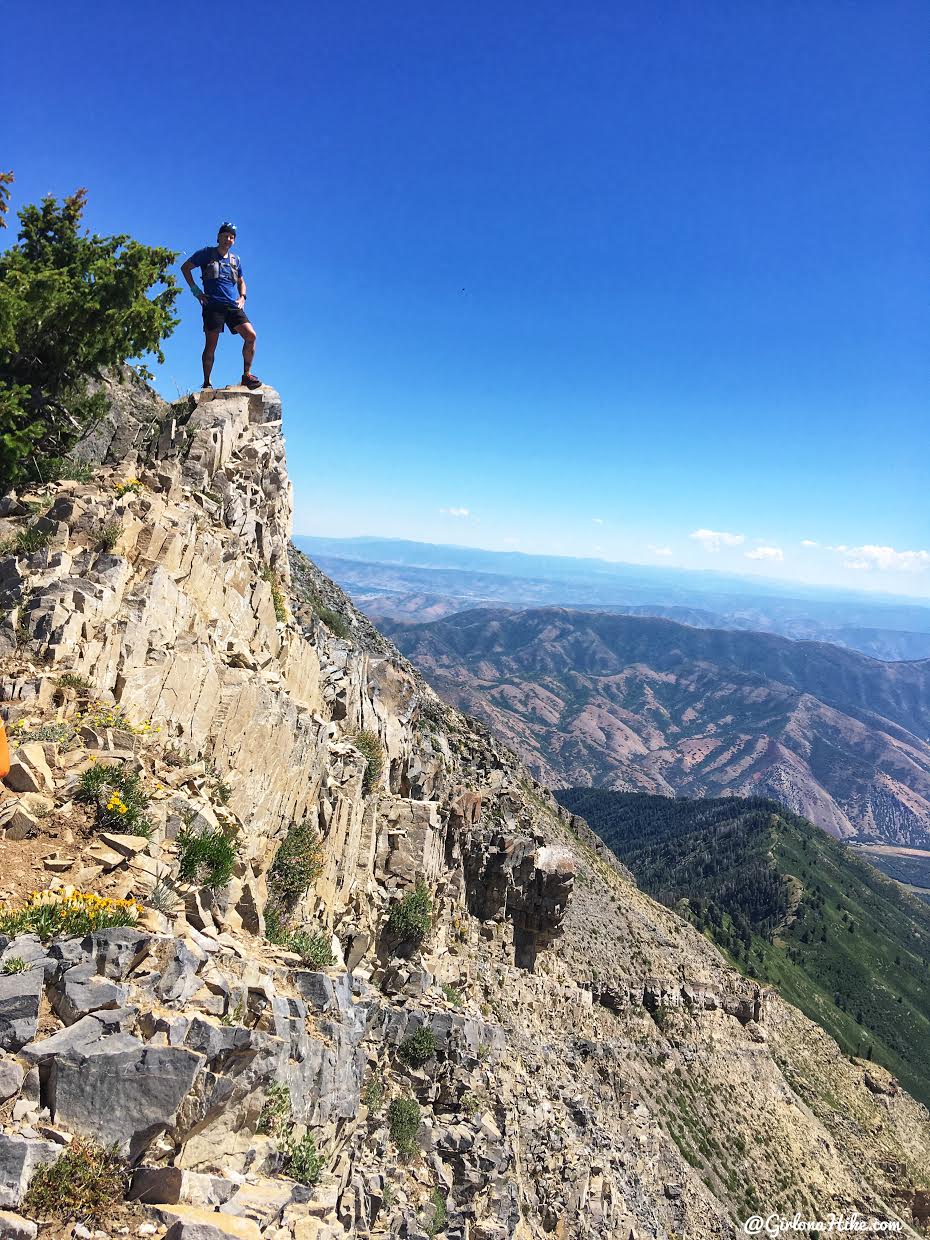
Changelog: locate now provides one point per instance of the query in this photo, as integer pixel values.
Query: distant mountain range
(789, 906)
(645, 704)
(420, 581)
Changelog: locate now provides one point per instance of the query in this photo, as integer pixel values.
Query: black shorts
(217, 315)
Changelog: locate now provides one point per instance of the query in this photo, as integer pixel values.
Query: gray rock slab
(127, 1095)
(117, 950)
(204, 1228)
(77, 995)
(179, 978)
(80, 1035)
(20, 994)
(19, 1159)
(156, 1185)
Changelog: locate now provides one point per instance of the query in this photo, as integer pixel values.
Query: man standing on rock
(223, 301)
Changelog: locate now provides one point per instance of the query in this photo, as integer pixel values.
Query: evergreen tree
(73, 306)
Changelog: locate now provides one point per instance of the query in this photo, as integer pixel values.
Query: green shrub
(71, 680)
(205, 857)
(451, 994)
(470, 1102)
(304, 1161)
(660, 1016)
(403, 1118)
(55, 733)
(373, 1093)
(67, 470)
(409, 918)
(82, 1185)
(314, 947)
(297, 864)
(100, 715)
(369, 747)
(118, 796)
(436, 1218)
(419, 1048)
(106, 535)
(163, 898)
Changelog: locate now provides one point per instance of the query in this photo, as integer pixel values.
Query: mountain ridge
(646, 703)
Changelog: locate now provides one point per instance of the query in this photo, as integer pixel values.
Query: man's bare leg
(247, 332)
(209, 351)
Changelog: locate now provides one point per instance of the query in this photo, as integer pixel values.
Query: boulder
(117, 950)
(170, 1185)
(197, 1223)
(179, 980)
(120, 1093)
(19, 1159)
(20, 823)
(80, 991)
(29, 772)
(11, 1081)
(20, 994)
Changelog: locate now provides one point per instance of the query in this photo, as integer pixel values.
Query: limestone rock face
(420, 996)
(19, 1008)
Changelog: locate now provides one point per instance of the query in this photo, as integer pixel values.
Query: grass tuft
(369, 747)
(205, 857)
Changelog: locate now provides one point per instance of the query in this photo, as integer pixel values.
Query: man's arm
(186, 269)
(241, 301)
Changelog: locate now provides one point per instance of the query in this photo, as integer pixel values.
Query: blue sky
(640, 280)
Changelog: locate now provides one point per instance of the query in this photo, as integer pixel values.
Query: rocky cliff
(312, 950)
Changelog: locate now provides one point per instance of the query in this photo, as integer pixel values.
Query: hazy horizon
(781, 584)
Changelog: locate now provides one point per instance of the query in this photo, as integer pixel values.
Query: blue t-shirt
(220, 275)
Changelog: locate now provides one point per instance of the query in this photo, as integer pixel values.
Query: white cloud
(809, 542)
(884, 559)
(597, 520)
(765, 553)
(713, 540)
(663, 551)
(455, 512)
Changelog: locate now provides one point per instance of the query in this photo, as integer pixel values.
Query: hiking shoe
(251, 381)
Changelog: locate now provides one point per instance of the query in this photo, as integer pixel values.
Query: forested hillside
(790, 906)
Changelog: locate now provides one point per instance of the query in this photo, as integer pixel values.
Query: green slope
(790, 906)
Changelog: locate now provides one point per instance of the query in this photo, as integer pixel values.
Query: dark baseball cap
(226, 227)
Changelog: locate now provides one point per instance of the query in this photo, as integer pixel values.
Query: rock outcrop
(420, 997)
